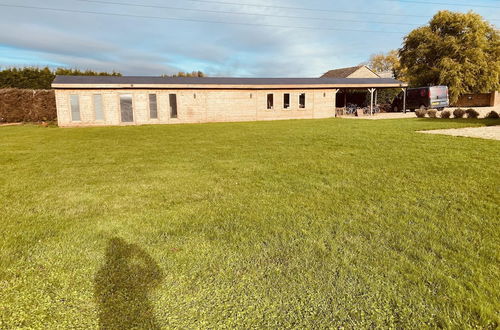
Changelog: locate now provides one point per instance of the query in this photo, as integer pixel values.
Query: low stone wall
(27, 105)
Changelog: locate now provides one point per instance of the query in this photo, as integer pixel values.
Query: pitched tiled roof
(342, 72)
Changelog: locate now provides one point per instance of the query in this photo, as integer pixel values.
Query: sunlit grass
(310, 223)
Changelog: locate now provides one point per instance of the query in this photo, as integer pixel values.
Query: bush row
(27, 105)
(457, 113)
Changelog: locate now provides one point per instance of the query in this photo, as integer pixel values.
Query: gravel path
(488, 132)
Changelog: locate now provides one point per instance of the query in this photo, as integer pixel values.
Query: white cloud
(152, 47)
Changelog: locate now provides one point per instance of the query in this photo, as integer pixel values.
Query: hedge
(27, 105)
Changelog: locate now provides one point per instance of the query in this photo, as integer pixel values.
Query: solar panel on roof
(143, 80)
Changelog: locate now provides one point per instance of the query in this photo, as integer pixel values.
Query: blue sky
(304, 44)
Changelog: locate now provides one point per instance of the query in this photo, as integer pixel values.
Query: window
(173, 105)
(438, 92)
(99, 115)
(75, 107)
(126, 109)
(153, 107)
(270, 101)
(302, 100)
(286, 101)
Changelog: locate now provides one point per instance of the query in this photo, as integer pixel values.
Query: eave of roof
(131, 82)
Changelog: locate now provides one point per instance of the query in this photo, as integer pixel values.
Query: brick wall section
(196, 106)
(478, 100)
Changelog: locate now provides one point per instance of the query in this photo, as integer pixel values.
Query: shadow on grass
(122, 287)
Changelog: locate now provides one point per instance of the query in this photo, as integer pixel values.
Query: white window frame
(176, 106)
(94, 107)
(71, 108)
(267, 101)
(304, 107)
(149, 107)
(289, 103)
(120, 109)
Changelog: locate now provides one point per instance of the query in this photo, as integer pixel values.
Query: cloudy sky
(267, 38)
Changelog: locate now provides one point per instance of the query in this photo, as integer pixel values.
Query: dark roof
(342, 72)
(141, 80)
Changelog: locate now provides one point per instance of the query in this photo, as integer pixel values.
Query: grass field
(304, 224)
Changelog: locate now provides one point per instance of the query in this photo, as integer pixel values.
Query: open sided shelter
(355, 95)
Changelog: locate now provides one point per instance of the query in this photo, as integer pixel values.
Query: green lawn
(305, 224)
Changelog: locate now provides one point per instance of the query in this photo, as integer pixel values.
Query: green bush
(492, 115)
(445, 114)
(420, 113)
(471, 113)
(432, 113)
(458, 113)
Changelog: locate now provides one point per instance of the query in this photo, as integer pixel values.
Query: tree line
(41, 78)
(198, 74)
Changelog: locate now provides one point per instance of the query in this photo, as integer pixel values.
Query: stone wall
(363, 72)
(196, 106)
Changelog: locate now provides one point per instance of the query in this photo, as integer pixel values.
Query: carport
(363, 94)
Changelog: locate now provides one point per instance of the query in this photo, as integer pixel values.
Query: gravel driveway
(488, 132)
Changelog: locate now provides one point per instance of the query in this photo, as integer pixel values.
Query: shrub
(471, 113)
(458, 113)
(445, 114)
(27, 105)
(420, 113)
(492, 115)
(432, 113)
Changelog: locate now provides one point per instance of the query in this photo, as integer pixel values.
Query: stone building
(103, 100)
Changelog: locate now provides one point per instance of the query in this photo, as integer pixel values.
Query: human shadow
(122, 287)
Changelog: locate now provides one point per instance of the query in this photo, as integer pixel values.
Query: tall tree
(459, 50)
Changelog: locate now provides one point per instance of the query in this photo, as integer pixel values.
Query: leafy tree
(40, 78)
(384, 62)
(459, 50)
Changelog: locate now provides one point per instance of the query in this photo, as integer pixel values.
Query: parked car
(431, 97)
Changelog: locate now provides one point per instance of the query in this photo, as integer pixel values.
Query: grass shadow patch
(123, 285)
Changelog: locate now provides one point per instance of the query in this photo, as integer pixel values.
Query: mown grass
(310, 223)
